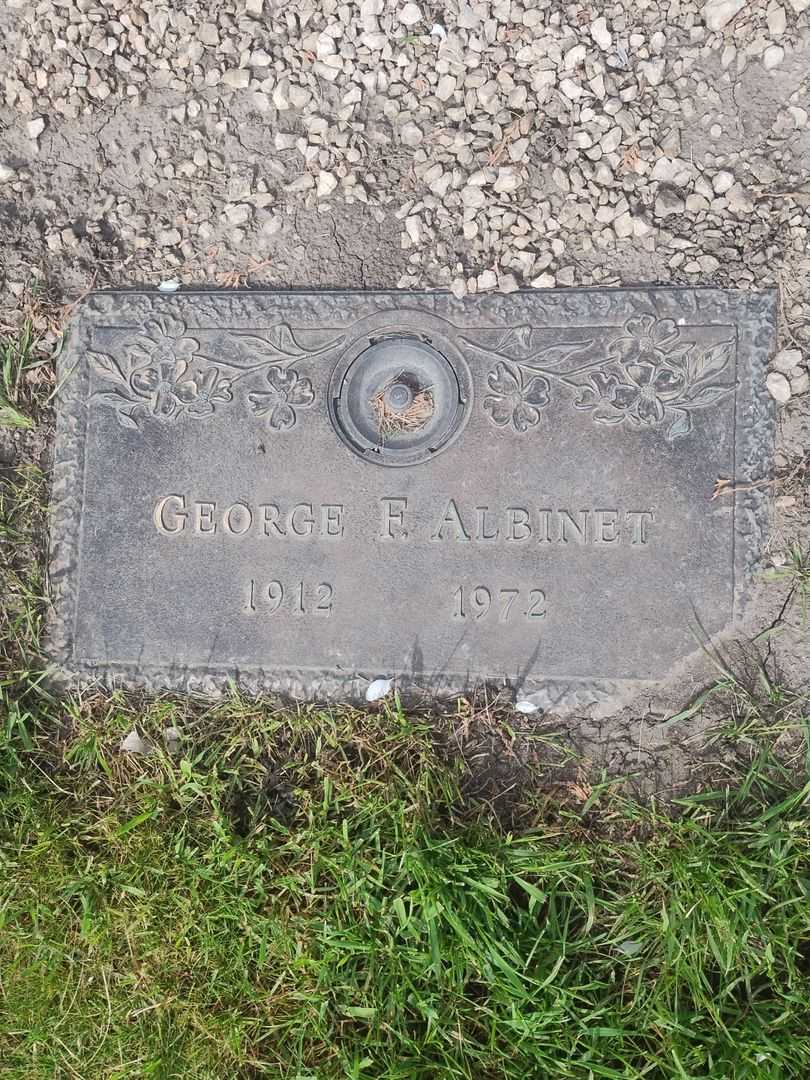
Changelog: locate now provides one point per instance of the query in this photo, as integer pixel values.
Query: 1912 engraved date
(295, 598)
(480, 601)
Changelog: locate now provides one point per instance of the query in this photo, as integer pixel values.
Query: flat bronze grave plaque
(302, 491)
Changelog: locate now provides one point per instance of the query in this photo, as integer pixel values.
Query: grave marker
(302, 491)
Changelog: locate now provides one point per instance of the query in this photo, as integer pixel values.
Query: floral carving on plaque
(515, 397)
(162, 373)
(288, 392)
(646, 376)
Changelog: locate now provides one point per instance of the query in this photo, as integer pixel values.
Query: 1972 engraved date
(480, 601)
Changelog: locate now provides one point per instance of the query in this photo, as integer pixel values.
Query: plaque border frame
(753, 314)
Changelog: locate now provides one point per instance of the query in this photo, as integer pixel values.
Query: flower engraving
(164, 339)
(212, 390)
(164, 387)
(644, 396)
(651, 377)
(159, 375)
(288, 391)
(645, 339)
(160, 372)
(515, 398)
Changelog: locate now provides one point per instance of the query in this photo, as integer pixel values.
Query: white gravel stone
(653, 71)
(777, 21)
(611, 142)
(799, 383)
(623, 225)
(35, 127)
(378, 689)
(739, 200)
(719, 13)
(412, 228)
(327, 183)
(473, 197)
(722, 181)
(134, 744)
(411, 135)
(773, 57)
(787, 360)
(325, 46)
(600, 33)
(668, 202)
(236, 78)
(571, 89)
(507, 180)
(6, 173)
(410, 15)
(778, 386)
(446, 87)
(238, 213)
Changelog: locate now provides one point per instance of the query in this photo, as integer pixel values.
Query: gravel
(471, 145)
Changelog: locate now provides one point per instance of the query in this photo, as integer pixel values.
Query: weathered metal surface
(223, 507)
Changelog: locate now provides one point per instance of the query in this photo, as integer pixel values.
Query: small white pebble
(378, 689)
(722, 181)
(410, 15)
(600, 33)
(778, 387)
(134, 744)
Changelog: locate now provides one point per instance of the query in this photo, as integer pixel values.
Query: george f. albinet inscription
(299, 491)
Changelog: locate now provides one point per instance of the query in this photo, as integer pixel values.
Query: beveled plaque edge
(752, 313)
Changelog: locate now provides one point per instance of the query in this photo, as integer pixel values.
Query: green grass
(796, 572)
(309, 895)
(319, 895)
(18, 357)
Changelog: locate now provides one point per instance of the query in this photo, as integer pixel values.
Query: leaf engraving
(680, 425)
(707, 363)
(106, 365)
